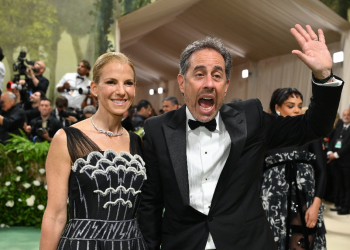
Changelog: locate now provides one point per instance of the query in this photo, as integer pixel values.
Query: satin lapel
(235, 124)
(175, 134)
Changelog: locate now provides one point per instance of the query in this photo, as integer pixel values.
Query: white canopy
(257, 33)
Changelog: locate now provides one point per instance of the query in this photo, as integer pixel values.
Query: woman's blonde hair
(107, 58)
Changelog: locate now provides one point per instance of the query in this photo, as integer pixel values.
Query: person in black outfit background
(44, 127)
(35, 80)
(144, 110)
(339, 155)
(12, 116)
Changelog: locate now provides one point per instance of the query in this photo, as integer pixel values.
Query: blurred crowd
(25, 106)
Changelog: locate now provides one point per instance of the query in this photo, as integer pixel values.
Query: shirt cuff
(336, 156)
(335, 83)
(329, 152)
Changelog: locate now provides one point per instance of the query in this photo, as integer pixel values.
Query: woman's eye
(289, 106)
(110, 82)
(129, 83)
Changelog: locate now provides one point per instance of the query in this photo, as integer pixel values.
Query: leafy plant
(23, 194)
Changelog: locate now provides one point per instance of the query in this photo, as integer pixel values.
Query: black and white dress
(302, 169)
(104, 194)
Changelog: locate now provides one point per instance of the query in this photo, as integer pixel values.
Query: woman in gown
(98, 166)
(293, 184)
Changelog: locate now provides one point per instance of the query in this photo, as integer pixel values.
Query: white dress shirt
(207, 153)
(2, 74)
(74, 98)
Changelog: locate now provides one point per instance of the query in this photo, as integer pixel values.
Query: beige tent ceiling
(154, 36)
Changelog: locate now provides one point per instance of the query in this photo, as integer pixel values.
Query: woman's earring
(95, 95)
(278, 113)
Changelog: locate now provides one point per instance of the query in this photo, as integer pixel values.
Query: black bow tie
(80, 77)
(211, 125)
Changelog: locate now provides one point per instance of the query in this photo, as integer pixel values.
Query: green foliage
(339, 6)
(23, 194)
(27, 24)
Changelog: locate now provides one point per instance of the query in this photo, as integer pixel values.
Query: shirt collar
(346, 126)
(190, 116)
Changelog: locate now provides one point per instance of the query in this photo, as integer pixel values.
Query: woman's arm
(319, 166)
(57, 173)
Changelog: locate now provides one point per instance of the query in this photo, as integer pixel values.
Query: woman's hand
(311, 214)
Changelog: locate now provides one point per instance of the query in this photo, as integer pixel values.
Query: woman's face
(116, 89)
(290, 107)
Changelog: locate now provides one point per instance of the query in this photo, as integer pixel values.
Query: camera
(42, 127)
(84, 91)
(78, 113)
(20, 66)
(11, 86)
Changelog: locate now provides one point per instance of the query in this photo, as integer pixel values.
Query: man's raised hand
(314, 52)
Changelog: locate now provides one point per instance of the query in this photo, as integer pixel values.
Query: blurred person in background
(144, 110)
(62, 104)
(2, 70)
(32, 110)
(70, 84)
(339, 157)
(12, 116)
(89, 111)
(44, 127)
(170, 103)
(35, 80)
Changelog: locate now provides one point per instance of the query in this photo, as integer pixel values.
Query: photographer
(2, 70)
(35, 81)
(43, 128)
(62, 104)
(89, 111)
(12, 116)
(70, 84)
(32, 110)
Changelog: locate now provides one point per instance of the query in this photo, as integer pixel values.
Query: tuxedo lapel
(235, 124)
(175, 135)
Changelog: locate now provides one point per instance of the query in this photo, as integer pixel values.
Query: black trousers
(342, 185)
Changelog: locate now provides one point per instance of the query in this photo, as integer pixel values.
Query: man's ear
(226, 86)
(181, 80)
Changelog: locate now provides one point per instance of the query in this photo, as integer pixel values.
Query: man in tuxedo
(203, 159)
(339, 155)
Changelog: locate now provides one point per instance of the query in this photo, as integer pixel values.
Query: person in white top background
(2, 70)
(70, 84)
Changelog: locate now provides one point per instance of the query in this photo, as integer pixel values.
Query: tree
(27, 25)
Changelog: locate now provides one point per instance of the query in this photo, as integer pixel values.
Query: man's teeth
(118, 101)
(207, 98)
(205, 108)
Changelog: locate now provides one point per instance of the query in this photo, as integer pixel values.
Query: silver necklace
(109, 133)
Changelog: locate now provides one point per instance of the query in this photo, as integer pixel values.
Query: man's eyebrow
(218, 68)
(199, 67)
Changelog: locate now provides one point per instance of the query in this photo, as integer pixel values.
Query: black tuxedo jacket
(236, 219)
(344, 151)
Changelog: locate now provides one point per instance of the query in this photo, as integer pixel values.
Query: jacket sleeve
(152, 205)
(317, 122)
(15, 120)
(319, 166)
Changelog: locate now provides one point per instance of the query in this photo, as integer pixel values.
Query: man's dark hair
(1, 55)
(207, 43)
(46, 99)
(42, 95)
(143, 104)
(86, 65)
(280, 95)
(172, 99)
(61, 102)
